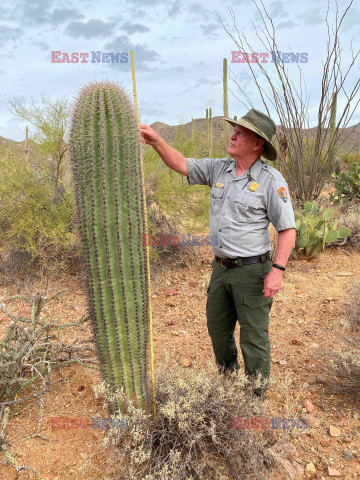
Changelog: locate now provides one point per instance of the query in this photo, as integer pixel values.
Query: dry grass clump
(192, 435)
(345, 361)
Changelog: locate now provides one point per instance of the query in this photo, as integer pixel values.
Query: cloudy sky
(178, 49)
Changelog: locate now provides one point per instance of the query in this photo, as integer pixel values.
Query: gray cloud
(9, 34)
(41, 45)
(206, 81)
(277, 9)
(174, 10)
(61, 15)
(92, 28)
(142, 54)
(211, 30)
(311, 17)
(134, 27)
(288, 24)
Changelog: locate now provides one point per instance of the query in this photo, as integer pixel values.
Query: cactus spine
(226, 106)
(105, 160)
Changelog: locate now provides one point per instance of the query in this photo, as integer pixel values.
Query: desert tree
(306, 156)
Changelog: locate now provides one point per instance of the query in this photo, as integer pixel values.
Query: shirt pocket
(216, 199)
(248, 209)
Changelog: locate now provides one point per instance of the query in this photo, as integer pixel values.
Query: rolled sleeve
(199, 171)
(279, 211)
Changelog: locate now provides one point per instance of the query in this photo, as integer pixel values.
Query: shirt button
(220, 246)
(219, 229)
(228, 196)
(223, 213)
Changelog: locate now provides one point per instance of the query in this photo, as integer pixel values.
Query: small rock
(79, 292)
(319, 380)
(315, 345)
(348, 455)
(310, 470)
(333, 473)
(171, 292)
(334, 431)
(183, 332)
(175, 333)
(312, 421)
(325, 442)
(295, 341)
(345, 274)
(186, 362)
(170, 304)
(309, 405)
(346, 439)
(283, 362)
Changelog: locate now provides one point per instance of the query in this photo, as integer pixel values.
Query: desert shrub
(33, 215)
(347, 185)
(316, 229)
(351, 159)
(30, 350)
(344, 363)
(191, 436)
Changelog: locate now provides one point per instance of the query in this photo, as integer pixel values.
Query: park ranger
(246, 194)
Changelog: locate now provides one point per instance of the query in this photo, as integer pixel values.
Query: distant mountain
(351, 139)
(349, 143)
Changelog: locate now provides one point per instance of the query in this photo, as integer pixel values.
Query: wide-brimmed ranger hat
(259, 123)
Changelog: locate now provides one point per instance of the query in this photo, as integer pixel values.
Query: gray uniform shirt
(240, 215)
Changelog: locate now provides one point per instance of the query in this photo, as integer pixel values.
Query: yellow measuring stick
(146, 231)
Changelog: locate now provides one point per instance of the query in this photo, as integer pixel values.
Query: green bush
(347, 185)
(314, 231)
(34, 213)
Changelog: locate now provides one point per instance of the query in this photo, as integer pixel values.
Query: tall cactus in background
(192, 130)
(105, 160)
(235, 118)
(333, 149)
(226, 106)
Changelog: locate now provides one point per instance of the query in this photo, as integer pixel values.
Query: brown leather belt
(239, 261)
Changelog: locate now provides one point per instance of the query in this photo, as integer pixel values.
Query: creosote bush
(191, 436)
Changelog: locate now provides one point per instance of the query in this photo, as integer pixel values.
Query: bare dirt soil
(306, 320)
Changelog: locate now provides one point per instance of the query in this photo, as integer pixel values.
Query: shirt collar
(255, 169)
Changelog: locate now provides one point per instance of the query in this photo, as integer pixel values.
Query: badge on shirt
(253, 186)
(283, 194)
(221, 185)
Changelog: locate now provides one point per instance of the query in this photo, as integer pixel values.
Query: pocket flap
(254, 301)
(248, 201)
(217, 192)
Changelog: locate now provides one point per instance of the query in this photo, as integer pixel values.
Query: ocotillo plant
(105, 159)
(333, 148)
(226, 106)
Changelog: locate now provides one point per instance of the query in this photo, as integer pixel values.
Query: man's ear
(259, 143)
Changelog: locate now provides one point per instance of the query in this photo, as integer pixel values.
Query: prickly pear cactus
(105, 160)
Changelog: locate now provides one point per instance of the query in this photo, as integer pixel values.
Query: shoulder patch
(283, 194)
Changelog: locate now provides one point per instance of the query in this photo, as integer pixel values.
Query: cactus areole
(105, 161)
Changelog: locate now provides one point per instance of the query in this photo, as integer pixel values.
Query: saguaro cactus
(105, 159)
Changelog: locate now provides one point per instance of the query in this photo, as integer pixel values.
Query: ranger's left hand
(272, 282)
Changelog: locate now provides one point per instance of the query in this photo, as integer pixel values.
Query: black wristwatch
(279, 267)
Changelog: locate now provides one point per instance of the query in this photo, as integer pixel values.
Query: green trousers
(237, 294)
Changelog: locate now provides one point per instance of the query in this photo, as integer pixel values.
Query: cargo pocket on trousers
(255, 301)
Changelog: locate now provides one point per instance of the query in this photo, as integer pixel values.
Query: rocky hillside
(350, 141)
